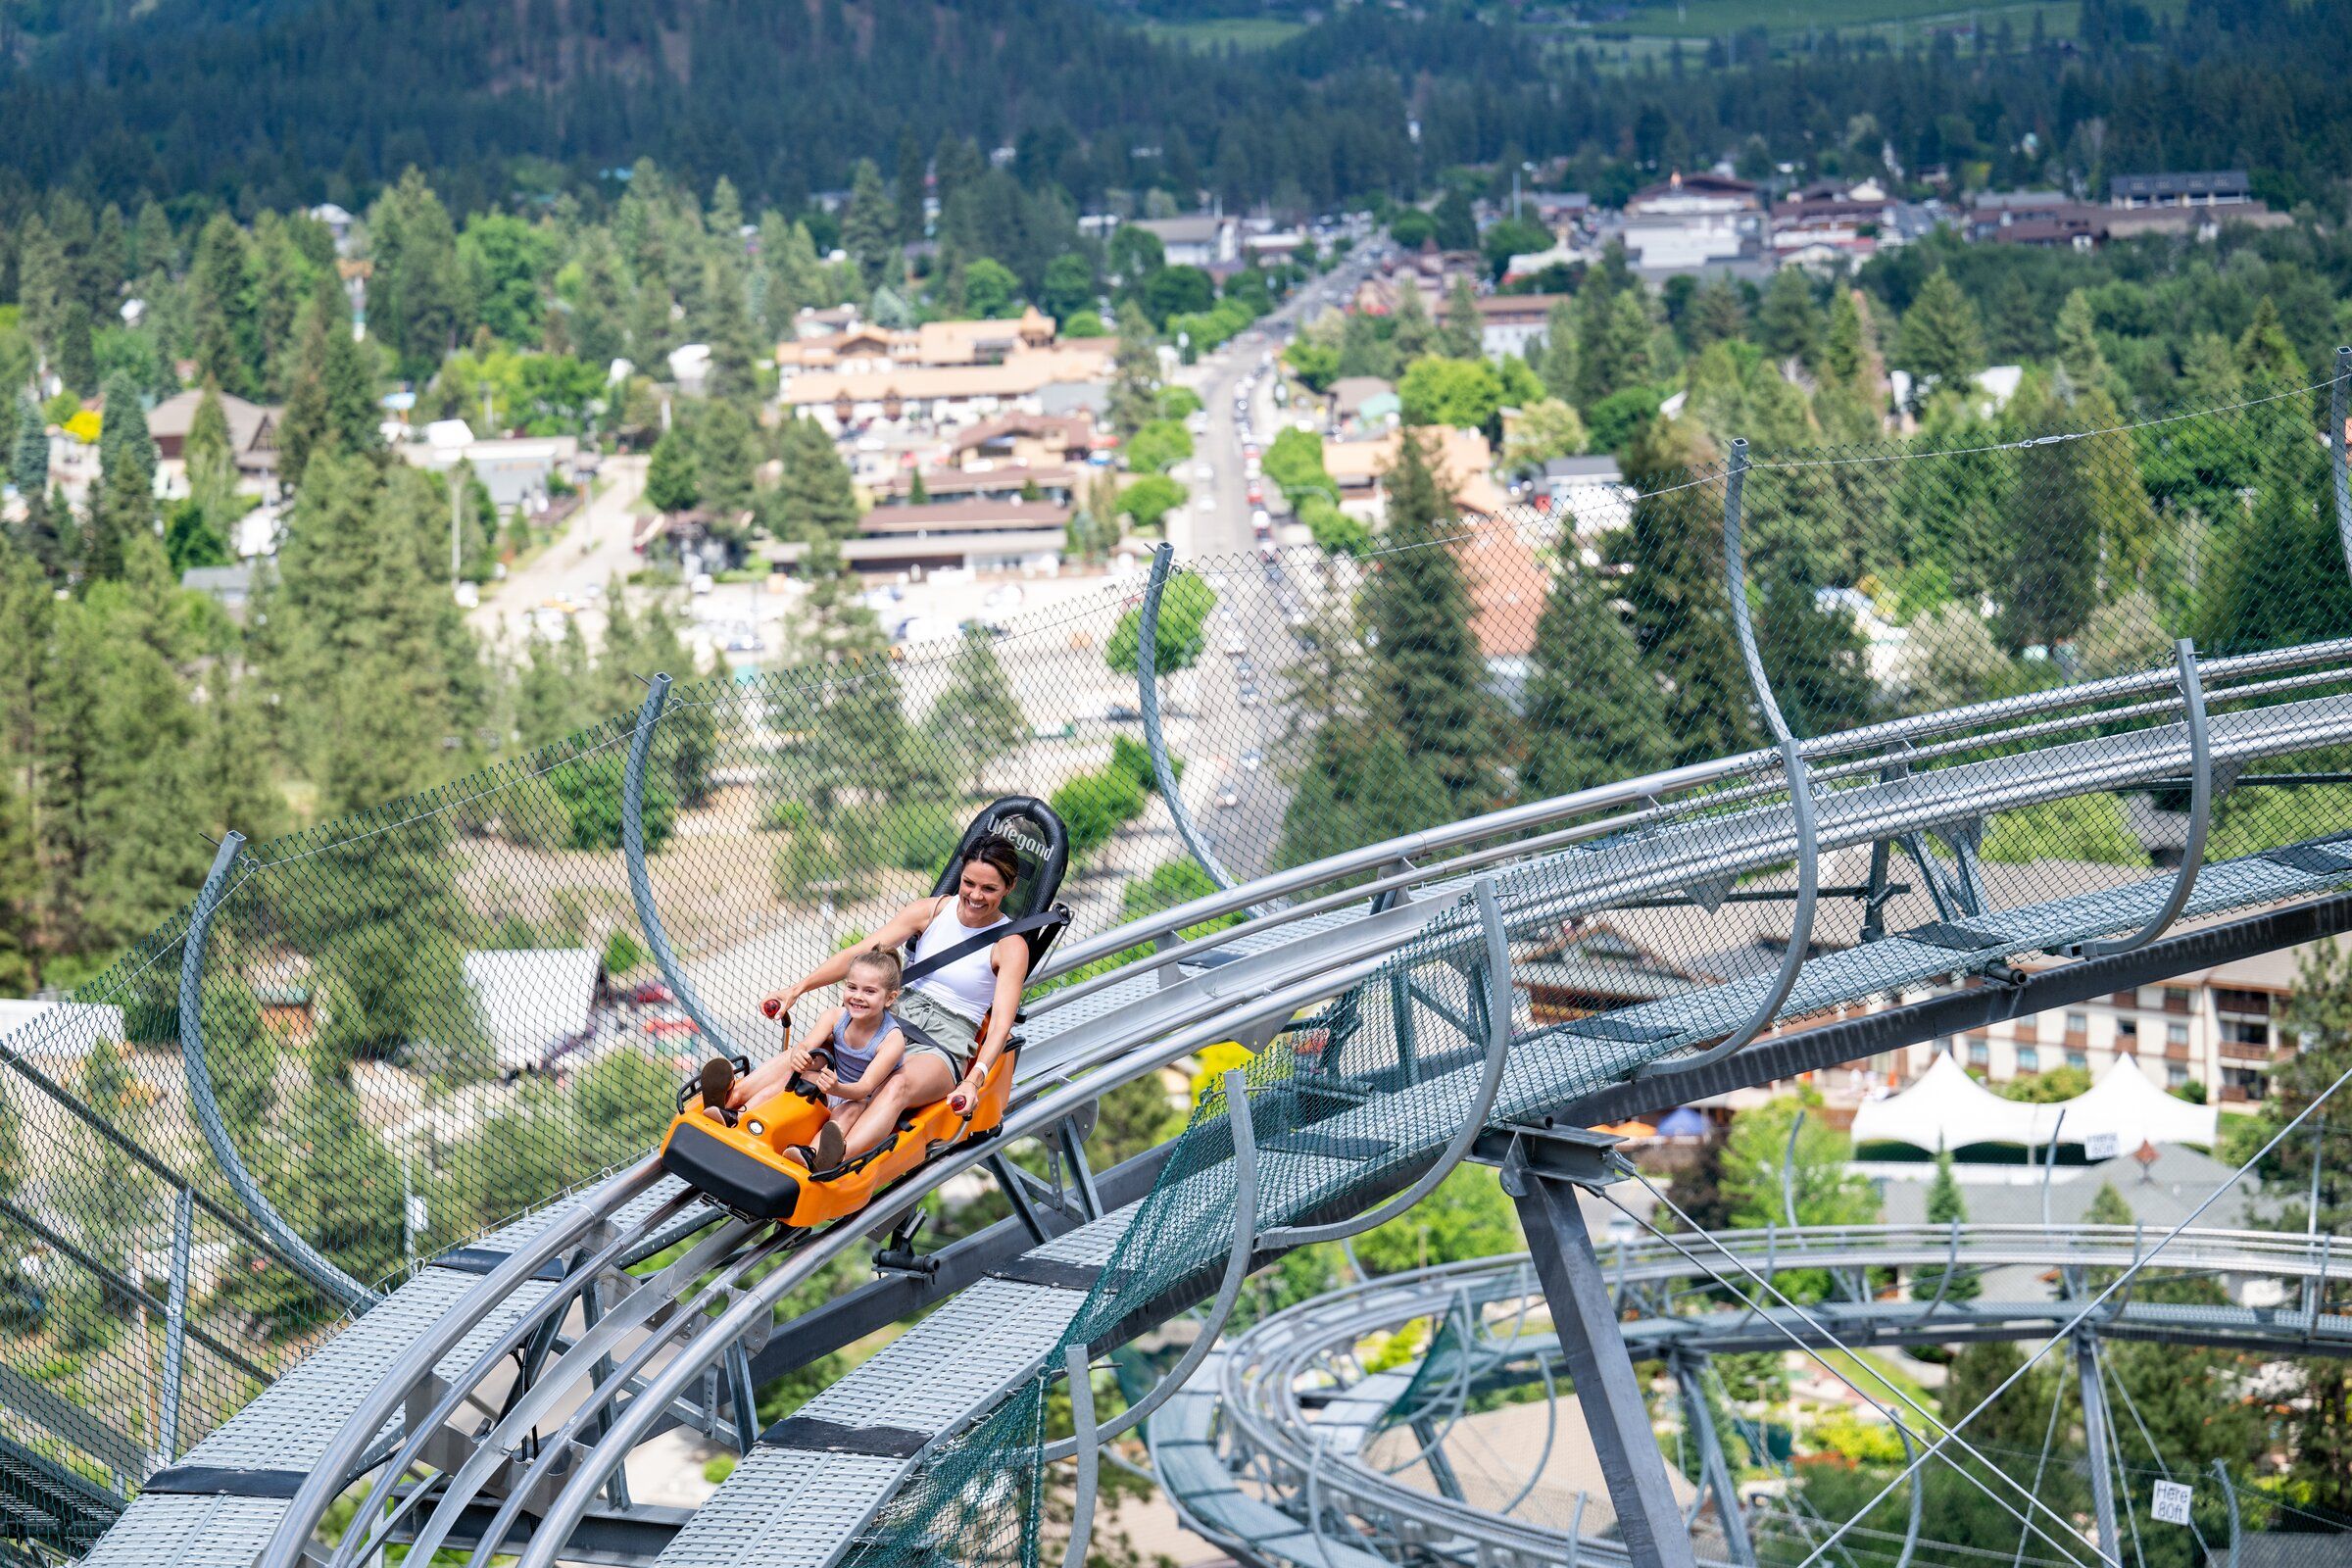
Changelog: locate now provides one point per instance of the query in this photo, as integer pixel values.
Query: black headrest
(1029, 828)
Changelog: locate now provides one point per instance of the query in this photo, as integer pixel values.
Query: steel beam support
(1147, 686)
(1433, 1454)
(1711, 1457)
(1960, 1011)
(641, 886)
(2094, 1428)
(1649, 1522)
(312, 1264)
(175, 1320)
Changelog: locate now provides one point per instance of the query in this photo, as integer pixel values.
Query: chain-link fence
(420, 1022)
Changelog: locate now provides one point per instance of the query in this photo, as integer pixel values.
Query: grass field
(1215, 32)
(1710, 18)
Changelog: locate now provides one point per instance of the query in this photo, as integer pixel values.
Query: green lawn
(1879, 1377)
(1214, 32)
(1706, 19)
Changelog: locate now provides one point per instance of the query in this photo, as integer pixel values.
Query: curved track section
(1270, 1451)
(1363, 967)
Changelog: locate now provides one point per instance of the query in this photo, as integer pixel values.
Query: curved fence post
(2336, 415)
(1799, 780)
(1801, 934)
(1735, 574)
(2200, 812)
(1229, 1289)
(641, 886)
(1089, 1445)
(1146, 690)
(1499, 1048)
(2221, 1471)
(312, 1264)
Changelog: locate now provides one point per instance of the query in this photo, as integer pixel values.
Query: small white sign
(421, 1218)
(2103, 1146)
(2170, 1504)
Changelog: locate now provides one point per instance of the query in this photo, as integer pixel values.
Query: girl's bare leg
(918, 1083)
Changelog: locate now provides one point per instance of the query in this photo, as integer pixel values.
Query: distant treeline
(267, 105)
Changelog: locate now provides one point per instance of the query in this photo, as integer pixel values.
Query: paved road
(593, 550)
(1256, 601)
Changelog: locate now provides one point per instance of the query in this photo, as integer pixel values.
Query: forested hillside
(270, 103)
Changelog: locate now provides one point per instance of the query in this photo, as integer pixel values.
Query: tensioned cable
(2114, 1379)
(2056, 438)
(2041, 1462)
(2098, 1300)
(1837, 1343)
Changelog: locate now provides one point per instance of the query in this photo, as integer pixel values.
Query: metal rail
(1146, 687)
(641, 884)
(1265, 1371)
(314, 1266)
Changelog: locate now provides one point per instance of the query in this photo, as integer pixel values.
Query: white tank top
(967, 985)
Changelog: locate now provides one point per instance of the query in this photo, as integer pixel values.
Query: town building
(977, 535)
(2221, 187)
(252, 439)
(1508, 324)
(1695, 224)
(516, 470)
(1200, 239)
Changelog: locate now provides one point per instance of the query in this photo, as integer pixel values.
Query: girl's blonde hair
(884, 963)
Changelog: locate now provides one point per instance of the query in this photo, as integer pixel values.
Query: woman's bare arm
(900, 929)
(1010, 957)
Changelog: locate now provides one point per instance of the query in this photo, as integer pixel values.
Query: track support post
(1710, 1451)
(1147, 691)
(2094, 1429)
(1649, 1522)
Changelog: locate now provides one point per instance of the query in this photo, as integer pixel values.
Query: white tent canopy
(1946, 1108)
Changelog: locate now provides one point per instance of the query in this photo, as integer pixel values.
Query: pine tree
(1133, 372)
(1414, 334)
(76, 355)
(1941, 339)
(2046, 578)
(869, 226)
(726, 454)
(909, 190)
(2318, 1015)
(1788, 324)
(1814, 655)
(1946, 1206)
(1557, 364)
(44, 280)
(44, 532)
(977, 720)
(727, 327)
(1681, 617)
(1846, 348)
(1613, 343)
(123, 505)
(816, 498)
(418, 295)
(671, 481)
(2016, 332)
(223, 303)
(20, 908)
(1716, 314)
(1428, 674)
(1594, 714)
(1463, 335)
(2078, 356)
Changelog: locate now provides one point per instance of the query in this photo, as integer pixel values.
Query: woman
(946, 1005)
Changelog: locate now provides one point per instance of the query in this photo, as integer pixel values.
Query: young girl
(947, 1005)
(863, 1039)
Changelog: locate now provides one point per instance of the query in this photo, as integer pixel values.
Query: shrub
(1094, 805)
(590, 790)
(919, 835)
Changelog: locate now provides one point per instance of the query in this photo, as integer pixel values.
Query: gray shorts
(957, 1036)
